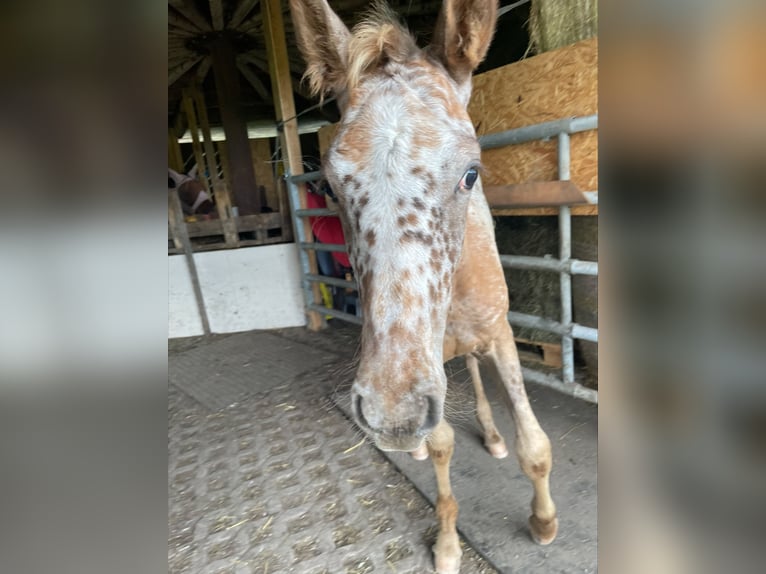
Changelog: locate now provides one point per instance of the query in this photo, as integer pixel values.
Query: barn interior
(253, 486)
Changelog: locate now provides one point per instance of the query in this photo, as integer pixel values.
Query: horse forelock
(378, 39)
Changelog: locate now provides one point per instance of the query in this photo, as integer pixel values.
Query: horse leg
(533, 448)
(447, 553)
(420, 453)
(493, 441)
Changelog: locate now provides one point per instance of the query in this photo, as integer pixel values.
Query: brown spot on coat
(370, 237)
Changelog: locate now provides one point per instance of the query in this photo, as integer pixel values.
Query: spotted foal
(405, 167)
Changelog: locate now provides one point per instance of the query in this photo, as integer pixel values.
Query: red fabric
(327, 228)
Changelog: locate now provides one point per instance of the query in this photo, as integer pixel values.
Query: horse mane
(379, 38)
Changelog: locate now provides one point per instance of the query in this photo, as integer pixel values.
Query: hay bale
(557, 23)
(539, 292)
(532, 292)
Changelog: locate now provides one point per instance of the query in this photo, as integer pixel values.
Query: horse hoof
(420, 453)
(543, 533)
(447, 565)
(498, 450)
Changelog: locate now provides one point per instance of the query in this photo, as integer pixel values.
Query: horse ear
(193, 172)
(177, 177)
(323, 40)
(463, 34)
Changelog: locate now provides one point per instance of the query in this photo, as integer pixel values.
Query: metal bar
(565, 254)
(348, 317)
(584, 333)
(572, 389)
(539, 131)
(324, 247)
(305, 177)
(332, 281)
(181, 235)
(578, 267)
(293, 195)
(574, 266)
(535, 322)
(315, 212)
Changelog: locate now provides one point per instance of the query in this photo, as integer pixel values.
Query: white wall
(243, 289)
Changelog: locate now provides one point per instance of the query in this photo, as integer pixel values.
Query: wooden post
(243, 186)
(175, 159)
(282, 88)
(221, 196)
(191, 121)
(220, 189)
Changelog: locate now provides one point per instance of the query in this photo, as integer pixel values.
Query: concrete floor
(267, 474)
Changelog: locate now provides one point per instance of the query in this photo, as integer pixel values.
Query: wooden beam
(254, 81)
(216, 11)
(175, 20)
(187, 104)
(576, 210)
(254, 23)
(203, 69)
(534, 194)
(284, 104)
(242, 184)
(176, 73)
(175, 159)
(220, 189)
(252, 58)
(241, 12)
(189, 11)
(176, 60)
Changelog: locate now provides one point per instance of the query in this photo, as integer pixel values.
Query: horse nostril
(359, 414)
(433, 416)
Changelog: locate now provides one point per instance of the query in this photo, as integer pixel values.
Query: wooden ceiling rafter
(180, 23)
(241, 12)
(253, 80)
(190, 12)
(203, 69)
(177, 72)
(216, 13)
(193, 24)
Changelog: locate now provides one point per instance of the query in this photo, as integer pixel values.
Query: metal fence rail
(564, 265)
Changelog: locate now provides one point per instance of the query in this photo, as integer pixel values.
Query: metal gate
(564, 265)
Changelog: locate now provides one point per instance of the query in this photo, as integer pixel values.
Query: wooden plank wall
(260, 151)
(547, 87)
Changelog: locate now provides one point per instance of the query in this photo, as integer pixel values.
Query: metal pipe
(583, 267)
(572, 389)
(539, 131)
(304, 177)
(332, 281)
(348, 317)
(323, 247)
(584, 333)
(535, 322)
(315, 212)
(549, 264)
(565, 254)
(294, 197)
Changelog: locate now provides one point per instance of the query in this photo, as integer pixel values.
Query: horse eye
(469, 179)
